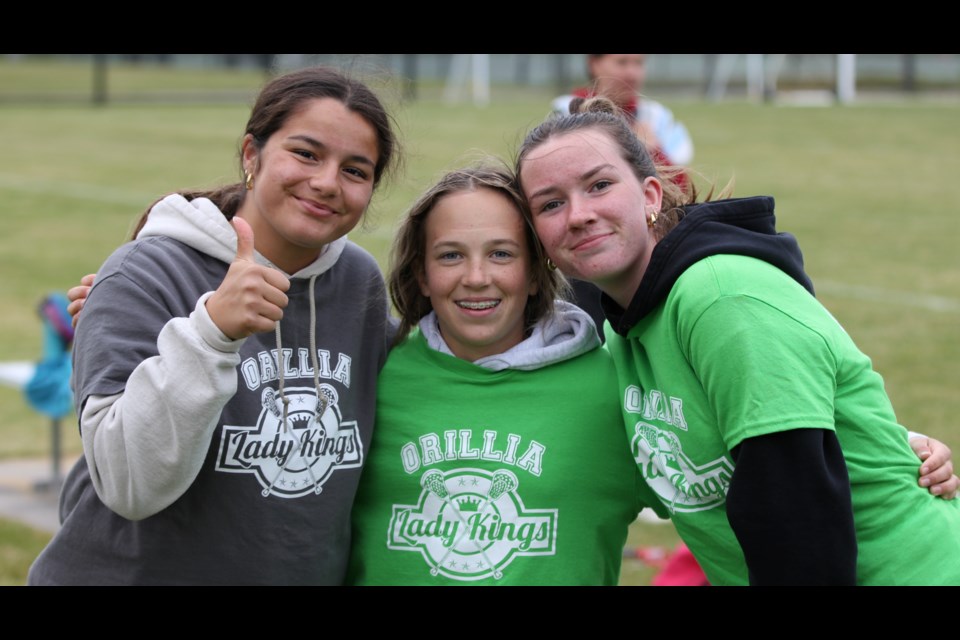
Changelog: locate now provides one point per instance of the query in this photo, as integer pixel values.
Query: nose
(477, 274)
(579, 213)
(326, 178)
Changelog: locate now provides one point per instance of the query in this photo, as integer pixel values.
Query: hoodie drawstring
(322, 402)
(321, 398)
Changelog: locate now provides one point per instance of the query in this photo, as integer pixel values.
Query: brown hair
(282, 98)
(407, 257)
(601, 113)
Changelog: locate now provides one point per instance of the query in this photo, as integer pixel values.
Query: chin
(572, 272)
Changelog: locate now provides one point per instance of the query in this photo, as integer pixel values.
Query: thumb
(920, 445)
(244, 238)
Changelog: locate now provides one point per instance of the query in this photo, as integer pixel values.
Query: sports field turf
(872, 192)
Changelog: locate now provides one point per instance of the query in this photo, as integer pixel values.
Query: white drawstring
(322, 401)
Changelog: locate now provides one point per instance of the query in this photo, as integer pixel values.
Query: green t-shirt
(494, 477)
(738, 349)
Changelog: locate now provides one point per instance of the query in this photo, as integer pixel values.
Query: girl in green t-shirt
(750, 412)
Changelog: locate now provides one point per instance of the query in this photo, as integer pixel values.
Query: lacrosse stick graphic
(270, 402)
(501, 482)
(432, 481)
(651, 436)
(316, 487)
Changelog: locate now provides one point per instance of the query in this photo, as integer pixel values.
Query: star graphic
(300, 400)
(452, 564)
(465, 566)
(462, 483)
(475, 482)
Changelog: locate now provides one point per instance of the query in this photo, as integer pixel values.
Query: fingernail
(936, 491)
(924, 482)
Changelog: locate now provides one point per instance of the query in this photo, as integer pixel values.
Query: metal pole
(410, 71)
(481, 79)
(99, 78)
(909, 71)
(846, 77)
(755, 77)
(560, 69)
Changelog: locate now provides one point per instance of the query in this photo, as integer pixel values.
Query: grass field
(871, 191)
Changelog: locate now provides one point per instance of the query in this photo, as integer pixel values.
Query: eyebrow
(455, 244)
(313, 142)
(585, 176)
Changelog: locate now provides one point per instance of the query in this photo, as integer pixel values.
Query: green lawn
(871, 191)
(19, 545)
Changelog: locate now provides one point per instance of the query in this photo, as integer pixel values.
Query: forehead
(480, 211)
(570, 154)
(331, 123)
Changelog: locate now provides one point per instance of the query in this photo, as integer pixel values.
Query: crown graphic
(468, 505)
(300, 422)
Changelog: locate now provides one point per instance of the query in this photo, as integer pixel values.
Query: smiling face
(590, 210)
(477, 272)
(312, 181)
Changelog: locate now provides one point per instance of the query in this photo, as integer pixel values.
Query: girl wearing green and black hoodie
(751, 414)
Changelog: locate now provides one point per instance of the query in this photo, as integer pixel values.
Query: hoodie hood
(565, 334)
(199, 224)
(739, 226)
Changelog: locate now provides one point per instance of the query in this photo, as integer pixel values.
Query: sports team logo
(683, 485)
(295, 459)
(470, 524)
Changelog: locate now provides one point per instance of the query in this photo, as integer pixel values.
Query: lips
(477, 305)
(316, 208)
(589, 242)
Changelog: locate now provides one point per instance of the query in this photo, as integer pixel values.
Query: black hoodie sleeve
(789, 505)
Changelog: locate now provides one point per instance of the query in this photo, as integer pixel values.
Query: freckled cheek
(546, 234)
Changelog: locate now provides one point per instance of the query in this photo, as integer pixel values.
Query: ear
(249, 154)
(652, 193)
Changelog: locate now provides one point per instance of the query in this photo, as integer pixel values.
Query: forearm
(789, 505)
(144, 447)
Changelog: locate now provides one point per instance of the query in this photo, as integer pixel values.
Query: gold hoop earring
(652, 220)
(248, 180)
(551, 265)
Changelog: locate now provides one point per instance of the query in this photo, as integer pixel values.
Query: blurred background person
(620, 77)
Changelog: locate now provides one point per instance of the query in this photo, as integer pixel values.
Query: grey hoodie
(192, 470)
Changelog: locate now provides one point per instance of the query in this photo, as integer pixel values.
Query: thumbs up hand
(251, 297)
